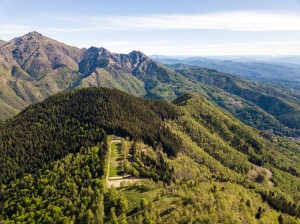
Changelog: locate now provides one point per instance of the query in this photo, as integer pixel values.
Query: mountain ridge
(34, 67)
(43, 66)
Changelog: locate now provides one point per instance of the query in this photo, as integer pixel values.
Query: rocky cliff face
(101, 57)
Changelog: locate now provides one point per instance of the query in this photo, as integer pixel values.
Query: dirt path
(117, 182)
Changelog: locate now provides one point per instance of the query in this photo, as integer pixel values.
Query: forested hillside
(205, 165)
(264, 107)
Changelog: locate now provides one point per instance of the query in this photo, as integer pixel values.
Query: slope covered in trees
(263, 107)
(59, 146)
(70, 120)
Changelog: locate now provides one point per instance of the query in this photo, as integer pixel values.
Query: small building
(116, 138)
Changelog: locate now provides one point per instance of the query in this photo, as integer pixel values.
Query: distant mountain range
(276, 73)
(248, 68)
(288, 59)
(34, 67)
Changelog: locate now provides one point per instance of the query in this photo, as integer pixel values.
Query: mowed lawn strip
(116, 159)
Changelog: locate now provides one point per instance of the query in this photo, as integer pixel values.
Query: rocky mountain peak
(33, 38)
(38, 55)
(137, 57)
(101, 57)
(34, 34)
(98, 53)
(137, 54)
(104, 51)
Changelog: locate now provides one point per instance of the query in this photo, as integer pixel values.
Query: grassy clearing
(134, 195)
(116, 160)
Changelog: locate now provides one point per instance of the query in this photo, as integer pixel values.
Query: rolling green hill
(205, 165)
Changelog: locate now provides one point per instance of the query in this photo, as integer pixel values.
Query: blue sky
(189, 27)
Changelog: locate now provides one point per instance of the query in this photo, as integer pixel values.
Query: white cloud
(233, 21)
